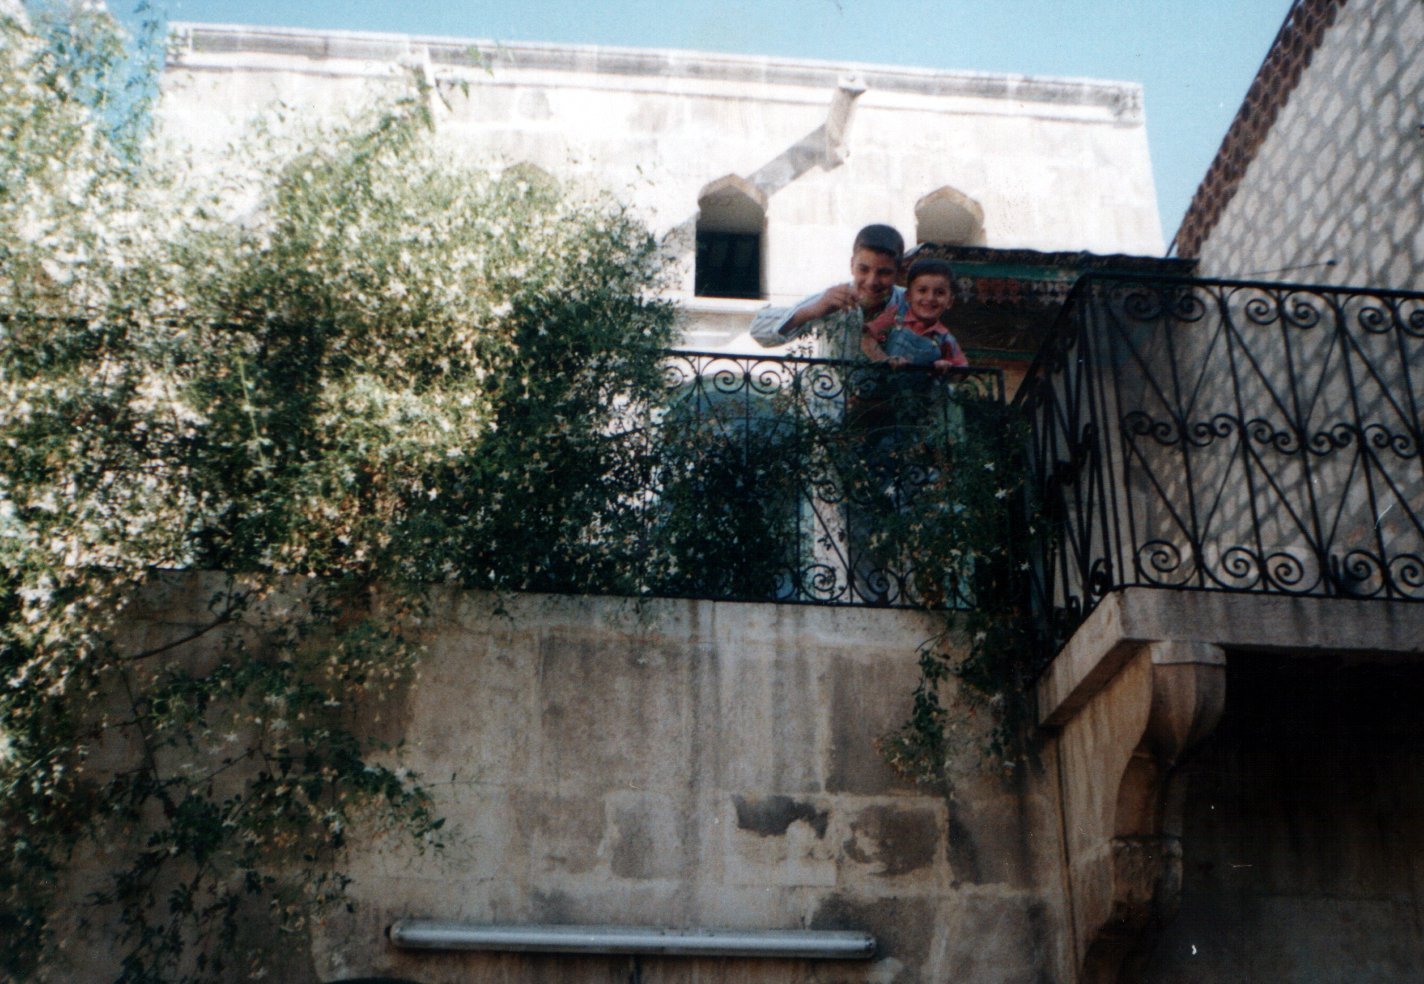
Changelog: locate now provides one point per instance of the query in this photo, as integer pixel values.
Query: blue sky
(1195, 58)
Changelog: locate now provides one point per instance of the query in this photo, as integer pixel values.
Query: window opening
(949, 217)
(731, 223)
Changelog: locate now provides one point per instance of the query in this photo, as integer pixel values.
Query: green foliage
(387, 370)
(108, 72)
(379, 371)
(730, 470)
(967, 534)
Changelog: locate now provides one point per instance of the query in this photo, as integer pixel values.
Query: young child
(929, 292)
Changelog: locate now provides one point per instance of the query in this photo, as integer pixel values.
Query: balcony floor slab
(1234, 622)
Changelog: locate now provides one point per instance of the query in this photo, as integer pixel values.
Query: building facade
(1220, 782)
(755, 171)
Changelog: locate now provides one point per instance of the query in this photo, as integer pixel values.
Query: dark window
(728, 264)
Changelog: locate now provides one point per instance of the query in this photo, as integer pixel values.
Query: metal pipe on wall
(808, 944)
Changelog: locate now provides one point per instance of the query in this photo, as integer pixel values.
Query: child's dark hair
(930, 267)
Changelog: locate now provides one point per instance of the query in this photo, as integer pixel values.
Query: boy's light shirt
(838, 333)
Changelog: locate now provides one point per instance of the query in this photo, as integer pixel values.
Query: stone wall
(689, 765)
(702, 765)
(1340, 174)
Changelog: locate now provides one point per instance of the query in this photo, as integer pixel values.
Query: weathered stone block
(647, 838)
(892, 840)
(858, 716)
(560, 833)
(993, 919)
(597, 697)
(780, 840)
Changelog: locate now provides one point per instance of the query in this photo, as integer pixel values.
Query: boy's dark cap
(881, 238)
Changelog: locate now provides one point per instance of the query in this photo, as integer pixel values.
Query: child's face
(930, 296)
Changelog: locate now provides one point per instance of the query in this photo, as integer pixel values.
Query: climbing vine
(337, 369)
(969, 548)
(331, 373)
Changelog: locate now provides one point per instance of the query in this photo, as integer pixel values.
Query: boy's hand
(837, 298)
(941, 365)
(832, 299)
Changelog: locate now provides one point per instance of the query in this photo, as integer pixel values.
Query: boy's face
(930, 296)
(873, 274)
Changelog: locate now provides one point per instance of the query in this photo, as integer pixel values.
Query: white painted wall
(1055, 164)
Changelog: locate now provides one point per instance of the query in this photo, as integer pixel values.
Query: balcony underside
(1141, 683)
(1132, 618)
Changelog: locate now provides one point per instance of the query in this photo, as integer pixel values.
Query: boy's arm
(872, 338)
(950, 353)
(776, 326)
(870, 348)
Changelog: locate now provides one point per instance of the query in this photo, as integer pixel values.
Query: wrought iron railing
(776, 479)
(1227, 436)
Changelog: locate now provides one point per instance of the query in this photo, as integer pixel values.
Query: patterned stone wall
(1340, 173)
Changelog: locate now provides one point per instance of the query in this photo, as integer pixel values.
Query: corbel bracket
(1121, 795)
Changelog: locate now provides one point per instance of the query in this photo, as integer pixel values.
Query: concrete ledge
(1117, 101)
(1242, 622)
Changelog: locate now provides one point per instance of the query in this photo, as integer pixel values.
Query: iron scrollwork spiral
(1164, 563)
(1188, 306)
(1359, 574)
(1375, 319)
(1286, 572)
(1240, 569)
(1302, 310)
(1381, 438)
(1413, 325)
(1143, 304)
(1138, 423)
(1266, 432)
(1406, 576)
(1245, 569)
(1262, 311)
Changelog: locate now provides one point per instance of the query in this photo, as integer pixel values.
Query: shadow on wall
(1303, 836)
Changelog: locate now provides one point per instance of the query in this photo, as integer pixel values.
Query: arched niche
(731, 234)
(531, 174)
(949, 217)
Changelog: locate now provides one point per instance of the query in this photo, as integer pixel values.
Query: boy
(839, 315)
(840, 312)
(929, 292)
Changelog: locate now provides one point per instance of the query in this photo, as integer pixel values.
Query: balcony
(1217, 436)
(797, 480)
(1184, 435)
(1229, 473)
